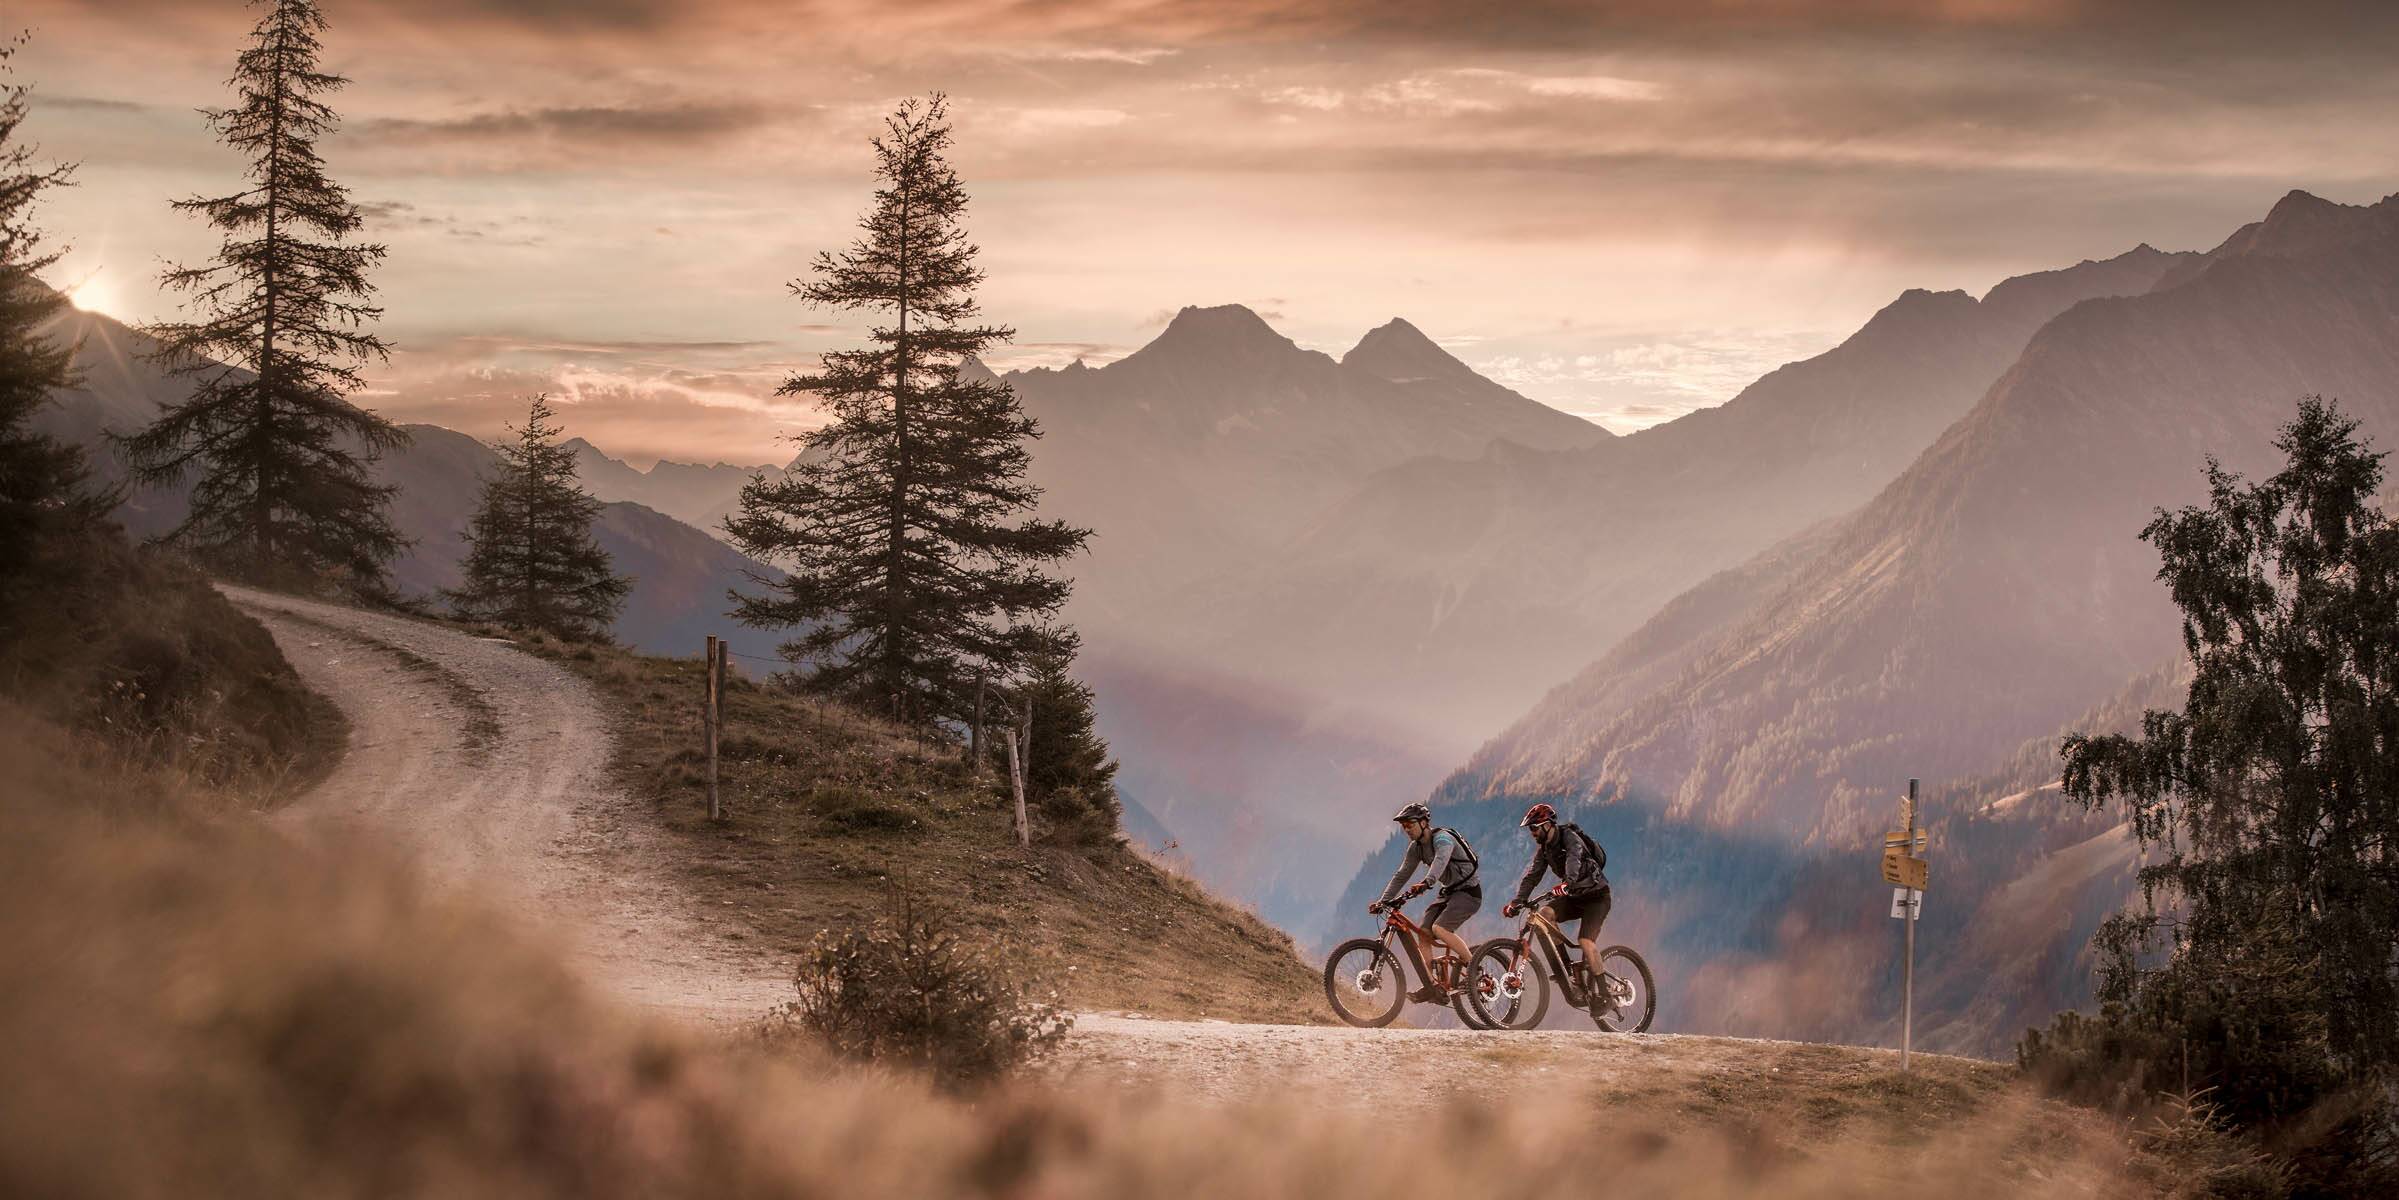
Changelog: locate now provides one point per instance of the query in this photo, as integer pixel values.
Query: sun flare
(99, 294)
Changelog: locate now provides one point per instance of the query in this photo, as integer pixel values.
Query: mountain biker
(1448, 862)
(1581, 892)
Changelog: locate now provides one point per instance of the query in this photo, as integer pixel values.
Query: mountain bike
(1367, 986)
(1512, 978)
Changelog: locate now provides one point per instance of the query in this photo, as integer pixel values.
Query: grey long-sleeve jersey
(1450, 869)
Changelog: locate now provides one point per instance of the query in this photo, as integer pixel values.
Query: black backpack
(1592, 854)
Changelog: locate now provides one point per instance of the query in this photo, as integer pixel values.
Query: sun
(99, 294)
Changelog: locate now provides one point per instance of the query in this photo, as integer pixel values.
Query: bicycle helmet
(1413, 812)
(1538, 814)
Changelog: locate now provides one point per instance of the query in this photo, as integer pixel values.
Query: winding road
(490, 766)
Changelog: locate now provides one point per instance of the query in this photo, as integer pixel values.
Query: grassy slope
(833, 815)
(135, 647)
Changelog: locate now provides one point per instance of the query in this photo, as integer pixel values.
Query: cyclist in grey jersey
(1451, 865)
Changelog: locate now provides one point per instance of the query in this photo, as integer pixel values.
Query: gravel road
(491, 766)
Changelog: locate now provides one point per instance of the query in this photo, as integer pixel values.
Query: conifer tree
(914, 561)
(531, 560)
(280, 335)
(43, 484)
(1068, 770)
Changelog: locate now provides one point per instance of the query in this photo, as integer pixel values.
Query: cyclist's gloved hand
(1375, 907)
(1510, 909)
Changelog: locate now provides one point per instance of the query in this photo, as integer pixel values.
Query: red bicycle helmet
(1538, 814)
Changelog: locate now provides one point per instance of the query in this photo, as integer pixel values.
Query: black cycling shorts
(1591, 910)
(1451, 911)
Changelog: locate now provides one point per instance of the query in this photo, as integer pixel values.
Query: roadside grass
(832, 815)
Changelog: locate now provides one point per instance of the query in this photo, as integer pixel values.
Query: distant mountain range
(698, 496)
(1199, 457)
(681, 575)
(1451, 588)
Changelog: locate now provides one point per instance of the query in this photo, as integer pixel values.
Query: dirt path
(1424, 1068)
(492, 767)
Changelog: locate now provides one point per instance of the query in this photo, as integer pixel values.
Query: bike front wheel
(1623, 997)
(1507, 990)
(1362, 979)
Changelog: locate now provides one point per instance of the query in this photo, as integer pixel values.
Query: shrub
(2208, 1160)
(1079, 817)
(910, 993)
(2251, 1056)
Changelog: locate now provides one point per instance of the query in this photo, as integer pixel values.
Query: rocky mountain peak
(1398, 351)
(1912, 311)
(1224, 333)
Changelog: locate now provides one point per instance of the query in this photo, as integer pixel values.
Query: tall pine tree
(914, 561)
(531, 560)
(43, 487)
(281, 334)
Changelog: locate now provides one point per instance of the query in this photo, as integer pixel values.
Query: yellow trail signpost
(1899, 870)
(1907, 872)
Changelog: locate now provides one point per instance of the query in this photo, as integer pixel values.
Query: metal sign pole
(1907, 1017)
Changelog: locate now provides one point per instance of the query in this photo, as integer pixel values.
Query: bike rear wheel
(1363, 981)
(1504, 992)
(1623, 997)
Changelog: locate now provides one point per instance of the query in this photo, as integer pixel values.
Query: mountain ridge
(1473, 571)
(2006, 554)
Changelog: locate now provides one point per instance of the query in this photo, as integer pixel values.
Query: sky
(1627, 211)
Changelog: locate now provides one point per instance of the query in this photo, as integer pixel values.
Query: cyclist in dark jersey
(1581, 893)
(1448, 862)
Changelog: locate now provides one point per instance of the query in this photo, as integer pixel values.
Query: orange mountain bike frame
(1411, 937)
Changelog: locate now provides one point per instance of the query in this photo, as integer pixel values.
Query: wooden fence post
(1016, 781)
(712, 715)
